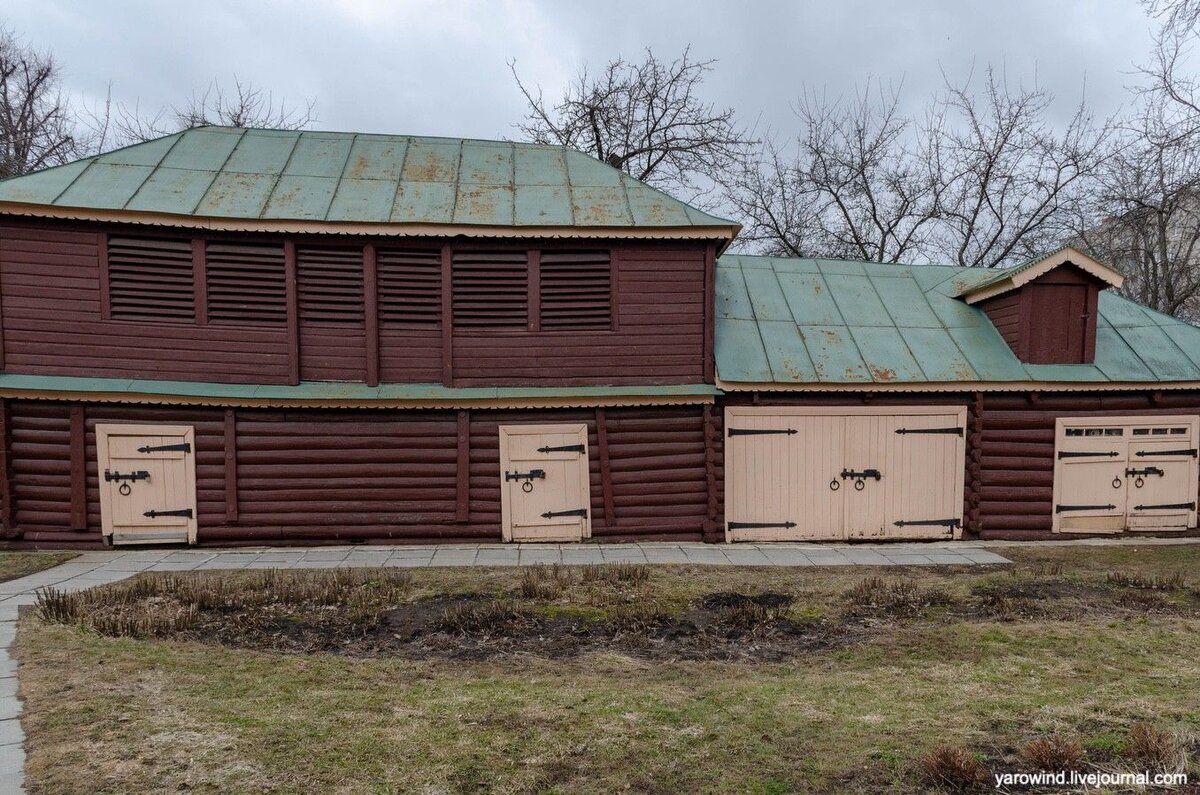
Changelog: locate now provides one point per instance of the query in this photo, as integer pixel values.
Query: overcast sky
(440, 68)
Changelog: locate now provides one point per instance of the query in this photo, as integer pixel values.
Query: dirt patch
(563, 612)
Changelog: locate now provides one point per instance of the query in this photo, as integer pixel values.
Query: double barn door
(1125, 473)
(827, 474)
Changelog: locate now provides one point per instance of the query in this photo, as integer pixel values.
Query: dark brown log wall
(53, 322)
(309, 476)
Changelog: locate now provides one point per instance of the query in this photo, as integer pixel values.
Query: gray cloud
(440, 68)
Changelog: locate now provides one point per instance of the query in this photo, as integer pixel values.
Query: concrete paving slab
(10, 731)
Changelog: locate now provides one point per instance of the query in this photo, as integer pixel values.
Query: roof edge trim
(961, 386)
(385, 229)
(1021, 275)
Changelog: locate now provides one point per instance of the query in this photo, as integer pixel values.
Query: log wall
(275, 476)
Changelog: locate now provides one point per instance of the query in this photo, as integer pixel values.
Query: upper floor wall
(109, 300)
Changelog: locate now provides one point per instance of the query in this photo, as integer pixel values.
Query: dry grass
(121, 714)
(1054, 753)
(890, 598)
(953, 768)
(1157, 750)
(14, 565)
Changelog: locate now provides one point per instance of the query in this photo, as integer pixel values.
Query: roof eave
(954, 386)
(724, 234)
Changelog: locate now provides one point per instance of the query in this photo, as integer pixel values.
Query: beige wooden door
(147, 481)
(924, 461)
(545, 492)
(1118, 473)
(1162, 474)
(834, 473)
(782, 475)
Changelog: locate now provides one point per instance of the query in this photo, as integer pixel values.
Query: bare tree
(647, 119)
(980, 179)
(244, 105)
(858, 186)
(1009, 180)
(36, 125)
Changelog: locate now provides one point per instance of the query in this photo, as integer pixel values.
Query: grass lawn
(19, 564)
(673, 679)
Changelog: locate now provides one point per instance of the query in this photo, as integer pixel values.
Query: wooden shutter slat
(151, 278)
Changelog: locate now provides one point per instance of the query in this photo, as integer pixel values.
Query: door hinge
(1081, 454)
(1064, 508)
(762, 431)
(928, 523)
(564, 448)
(183, 447)
(141, 474)
(1189, 452)
(1190, 506)
(530, 475)
(758, 525)
(180, 512)
(956, 431)
(583, 512)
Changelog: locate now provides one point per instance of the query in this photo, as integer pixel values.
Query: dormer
(1045, 309)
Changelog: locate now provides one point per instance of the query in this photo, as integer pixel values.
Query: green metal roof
(289, 175)
(809, 321)
(338, 391)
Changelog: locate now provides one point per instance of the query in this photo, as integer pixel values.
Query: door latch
(1139, 475)
(530, 475)
(860, 478)
(141, 474)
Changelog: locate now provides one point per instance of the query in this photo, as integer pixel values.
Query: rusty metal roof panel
(328, 177)
(177, 186)
(886, 354)
(301, 196)
(237, 195)
(538, 205)
(363, 200)
(834, 355)
(821, 322)
(938, 354)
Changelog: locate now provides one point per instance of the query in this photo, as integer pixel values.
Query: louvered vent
(576, 290)
(491, 289)
(330, 284)
(246, 283)
(151, 279)
(410, 287)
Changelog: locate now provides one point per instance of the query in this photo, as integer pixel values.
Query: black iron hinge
(762, 431)
(1190, 506)
(183, 447)
(1189, 452)
(180, 512)
(564, 448)
(928, 523)
(1081, 454)
(956, 431)
(758, 525)
(573, 512)
(1065, 508)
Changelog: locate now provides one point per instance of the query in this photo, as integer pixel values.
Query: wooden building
(254, 336)
(865, 400)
